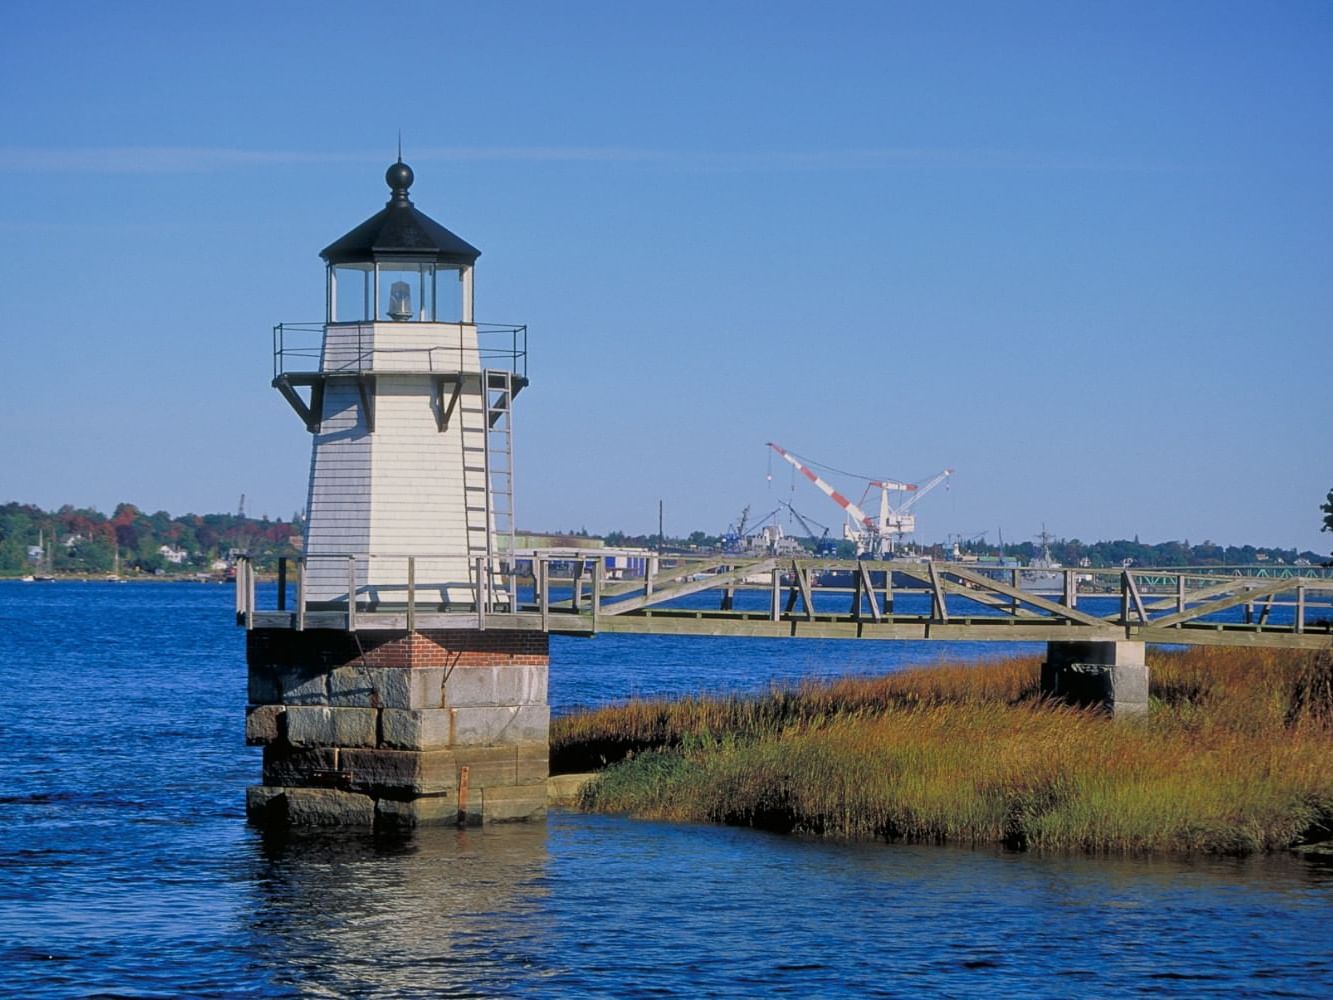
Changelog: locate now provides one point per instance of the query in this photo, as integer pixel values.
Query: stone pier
(1110, 674)
(394, 730)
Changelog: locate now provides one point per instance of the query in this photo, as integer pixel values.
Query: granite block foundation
(394, 730)
(1112, 676)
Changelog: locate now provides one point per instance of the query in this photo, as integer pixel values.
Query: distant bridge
(571, 591)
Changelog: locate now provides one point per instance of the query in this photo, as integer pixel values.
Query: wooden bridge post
(351, 593)
(300, 594)
(411, 593)
(596, 593)
(576, 584)
(542, 565)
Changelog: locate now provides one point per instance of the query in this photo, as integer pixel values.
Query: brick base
(436, 648)
(397, 730)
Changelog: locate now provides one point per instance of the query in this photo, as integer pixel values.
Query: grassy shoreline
(1236, 757)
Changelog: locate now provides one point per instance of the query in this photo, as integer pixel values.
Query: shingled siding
(398, 490)
(418, 502)
(339, 503)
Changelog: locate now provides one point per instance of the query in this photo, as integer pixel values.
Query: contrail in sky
(200, 159)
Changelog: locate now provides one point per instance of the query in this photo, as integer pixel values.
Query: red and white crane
(900, 520)
(872, 535)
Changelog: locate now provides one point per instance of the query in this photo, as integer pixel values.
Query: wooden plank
(821, 628)
(576, 584)
(938, 604)
(1132, 588)
(1249, 593)
(694, 622)
(980, 595)
(803, 581)
(681, 590)
(237, 590)
(479, 564)
(411, 593)
(728, 598)
(1059, 610)
(1267, 609)
(596, 594)
(543, 567)
(1179, 600)
(863, 576)
(351, 593)
(660, 578)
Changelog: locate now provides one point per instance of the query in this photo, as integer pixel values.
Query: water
(126, 867)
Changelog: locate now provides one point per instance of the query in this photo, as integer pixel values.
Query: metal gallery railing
(298, 348)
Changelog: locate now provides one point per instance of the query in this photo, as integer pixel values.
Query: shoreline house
(173, 554)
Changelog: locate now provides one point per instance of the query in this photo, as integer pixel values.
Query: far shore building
(173, 554)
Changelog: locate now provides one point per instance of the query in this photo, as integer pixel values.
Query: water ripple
(126, 868)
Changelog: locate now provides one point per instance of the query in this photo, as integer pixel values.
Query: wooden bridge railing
(573, 591)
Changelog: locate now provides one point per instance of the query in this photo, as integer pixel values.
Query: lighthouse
(410, 411)
(368, 717)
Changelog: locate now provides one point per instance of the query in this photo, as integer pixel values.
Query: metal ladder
(499, 398)
(488, 477)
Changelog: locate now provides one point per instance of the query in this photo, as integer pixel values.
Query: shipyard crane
(901, 521)
(869, 534)
(822, 542)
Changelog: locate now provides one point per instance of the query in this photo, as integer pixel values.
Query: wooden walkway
(569, 592)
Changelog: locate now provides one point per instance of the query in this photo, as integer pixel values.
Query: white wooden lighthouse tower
(410, 407)
(419, 714)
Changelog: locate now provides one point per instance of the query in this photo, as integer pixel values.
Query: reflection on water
(608, 906)
(448, 912)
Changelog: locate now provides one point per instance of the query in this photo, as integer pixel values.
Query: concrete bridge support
(394, 730)
(1110, 674)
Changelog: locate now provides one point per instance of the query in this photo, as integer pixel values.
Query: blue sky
(1079, 252)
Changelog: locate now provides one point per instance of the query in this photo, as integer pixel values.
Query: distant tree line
(79, 540)
(1069, 552)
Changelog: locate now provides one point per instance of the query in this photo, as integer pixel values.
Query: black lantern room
(400, 265)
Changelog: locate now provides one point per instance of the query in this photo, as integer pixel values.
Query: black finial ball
(399, 176)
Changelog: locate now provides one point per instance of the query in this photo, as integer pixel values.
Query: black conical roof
(400, 231)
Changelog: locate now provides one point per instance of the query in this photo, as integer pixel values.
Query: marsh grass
(1235, 757)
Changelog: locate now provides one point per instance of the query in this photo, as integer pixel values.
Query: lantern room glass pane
(449, 295)
(406, 293)
(353, 287)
